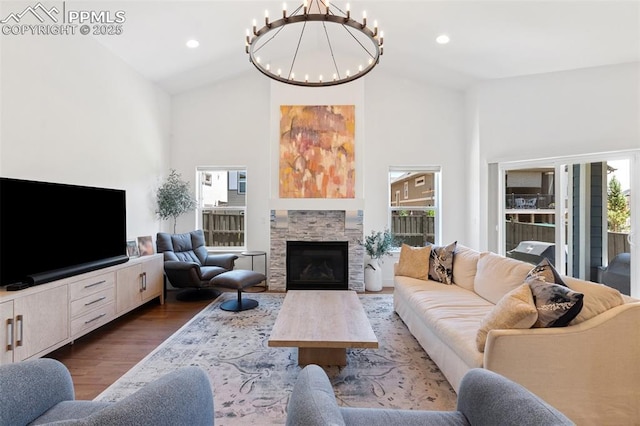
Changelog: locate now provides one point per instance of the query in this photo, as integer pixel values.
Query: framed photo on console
(145, 245)
(132, 249)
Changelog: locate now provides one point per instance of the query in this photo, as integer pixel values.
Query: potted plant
(377, 245)
(174, 198)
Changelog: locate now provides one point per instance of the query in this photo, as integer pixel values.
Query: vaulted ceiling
(489, 39)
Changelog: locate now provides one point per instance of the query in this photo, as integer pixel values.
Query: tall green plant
(617, 208)
(174, 198)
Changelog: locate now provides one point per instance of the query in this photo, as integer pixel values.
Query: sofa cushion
(441, 263)
(557, 304)
(452, 313)
(598, 298)
(544, 271)
(515, 310)
(465, 266)
(498, 275)
(414, 262)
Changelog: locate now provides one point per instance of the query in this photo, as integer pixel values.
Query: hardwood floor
(98, 359)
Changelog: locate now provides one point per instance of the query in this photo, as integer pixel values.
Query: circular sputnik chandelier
(315, 45)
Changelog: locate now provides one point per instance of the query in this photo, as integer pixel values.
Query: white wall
(397, 123)
(72, 112)
(549, 115)
(227, 124)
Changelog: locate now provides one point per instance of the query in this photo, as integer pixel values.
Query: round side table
(252, 254)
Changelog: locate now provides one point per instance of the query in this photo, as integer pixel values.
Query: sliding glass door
(576, 212)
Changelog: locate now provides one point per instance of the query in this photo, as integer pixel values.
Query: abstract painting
(317, 151)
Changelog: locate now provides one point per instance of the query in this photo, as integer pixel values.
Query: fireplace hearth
(317, 265)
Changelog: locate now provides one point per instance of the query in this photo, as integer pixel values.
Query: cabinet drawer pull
(95, 301)
(94, 319)
(10, 334)
(19, 319)
(95, 284)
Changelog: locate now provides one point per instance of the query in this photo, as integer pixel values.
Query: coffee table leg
(322, 356)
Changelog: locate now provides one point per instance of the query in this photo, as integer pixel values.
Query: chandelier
(315, 45)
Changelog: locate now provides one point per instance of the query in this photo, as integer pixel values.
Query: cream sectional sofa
(589, 370)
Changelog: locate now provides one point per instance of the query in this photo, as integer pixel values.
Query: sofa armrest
(181, 397)
(30, 388)
(488, 398)
(312, 402)
(599, 365)
(226, 261)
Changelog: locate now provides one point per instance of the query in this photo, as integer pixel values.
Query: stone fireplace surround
(315, 225)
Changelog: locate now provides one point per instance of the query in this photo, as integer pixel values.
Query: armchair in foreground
(187, 264)
(40, 391)
(485, 399)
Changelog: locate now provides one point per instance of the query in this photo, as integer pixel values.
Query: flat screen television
(50, 231)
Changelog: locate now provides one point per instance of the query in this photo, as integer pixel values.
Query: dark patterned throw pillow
(544, 271)
(441, 263)
(557, 304)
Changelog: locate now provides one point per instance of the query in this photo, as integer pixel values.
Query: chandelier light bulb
(364, 18)
(279, 72)
(370, 61)
(268, 67)
(254, 27)
(348, 74)
(293, 76)
(306, 78)
(266, 17)
(348, 9)
(359, 68)
(258, 59)
(305, 6)
(320, 78)
(248, 36)
(335, 77)
(284, 10)
(327, 4)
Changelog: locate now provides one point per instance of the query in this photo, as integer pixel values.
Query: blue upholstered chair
(485, 399)
(40, 391)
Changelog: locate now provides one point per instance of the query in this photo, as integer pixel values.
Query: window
(222, 205)
(414, 220)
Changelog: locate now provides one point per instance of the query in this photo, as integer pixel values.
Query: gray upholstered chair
(485, 398)
(40, 391)
(187, 264)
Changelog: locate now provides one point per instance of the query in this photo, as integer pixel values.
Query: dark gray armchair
(187, 264)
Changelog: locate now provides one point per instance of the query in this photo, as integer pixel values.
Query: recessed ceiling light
(443, 39)
(192, 44)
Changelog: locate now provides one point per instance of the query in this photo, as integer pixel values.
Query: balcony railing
(223, 228)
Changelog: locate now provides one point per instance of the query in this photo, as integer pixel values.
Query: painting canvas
(317, 151)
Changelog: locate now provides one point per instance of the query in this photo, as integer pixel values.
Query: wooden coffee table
(322, 324)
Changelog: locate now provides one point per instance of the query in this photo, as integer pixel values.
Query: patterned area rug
(252, 381)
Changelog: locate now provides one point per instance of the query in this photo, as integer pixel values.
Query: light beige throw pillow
(414, 262)
(515, 310)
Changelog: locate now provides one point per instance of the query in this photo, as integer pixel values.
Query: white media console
(40, 319)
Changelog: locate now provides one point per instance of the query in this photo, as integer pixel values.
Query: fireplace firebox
(317, 265)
